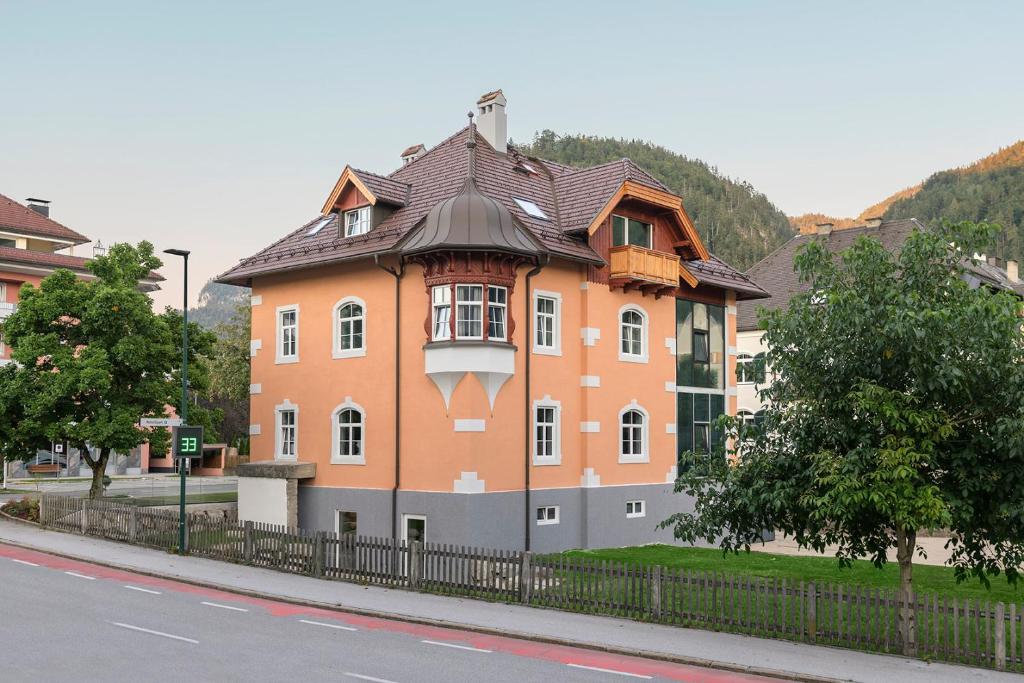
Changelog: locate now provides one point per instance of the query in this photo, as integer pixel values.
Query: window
(631, 231)
(750, 369)
(287, 431)
(632, 334)
(347, 523)
(530, 208)
(635, 508)
(348, 427)
(547, 326)
(696, 431)
(5, 242)
(349, 328)
(547, 417)
(442, 307)
(547, 514)
(287, 334)
(469, 311)
(700, 345)
(357, 221)
(319, 225)
(497, 308)
(633, 434)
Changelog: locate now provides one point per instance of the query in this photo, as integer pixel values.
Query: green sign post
(188, 442)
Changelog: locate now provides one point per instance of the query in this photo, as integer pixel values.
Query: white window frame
(361, 223)
(642, 357)
(548, 519)
(636, 514)
(556, 321)
(285, 406)
(434, 307)
(745, 361)
(645, 435)
(336, 457)
(478, 304)
(503, 307)
(650, 233)
(556, 437)
(279, 357)
(336, 350)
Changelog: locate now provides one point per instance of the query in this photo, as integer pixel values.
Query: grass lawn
(190, 499)
(927, 578)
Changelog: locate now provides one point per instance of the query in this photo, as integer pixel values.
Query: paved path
(606, 633)
(933, 546)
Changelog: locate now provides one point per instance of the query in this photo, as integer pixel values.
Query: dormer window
(357, 221)
(631, 231)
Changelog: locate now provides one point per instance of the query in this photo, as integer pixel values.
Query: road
(66, 620)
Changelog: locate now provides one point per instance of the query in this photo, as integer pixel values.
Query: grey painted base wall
(588, 517)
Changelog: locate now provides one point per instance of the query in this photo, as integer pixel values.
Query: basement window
(547, 515)
(530, 208)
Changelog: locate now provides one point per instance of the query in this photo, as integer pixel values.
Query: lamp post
(184, 397)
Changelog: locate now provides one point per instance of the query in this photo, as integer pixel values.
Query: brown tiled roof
(45, 259)
(384, 188)
(776, 273)
(583, 193)
(23, 220)
(717, 273)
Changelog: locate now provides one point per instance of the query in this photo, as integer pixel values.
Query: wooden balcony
(636, 267)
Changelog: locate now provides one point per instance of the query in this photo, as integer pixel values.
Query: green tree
(91, 358)
(229, 375)
(897, 405)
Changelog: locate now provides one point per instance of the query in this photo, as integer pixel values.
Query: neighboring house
(486, 349)
(777, 275)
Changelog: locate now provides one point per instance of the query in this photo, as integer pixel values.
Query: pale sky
(220, 126)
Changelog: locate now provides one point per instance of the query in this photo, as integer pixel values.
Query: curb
(441, 623)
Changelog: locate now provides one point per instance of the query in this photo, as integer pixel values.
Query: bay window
(442, 312)
(478, 312)
(497, 309)
(469, 311)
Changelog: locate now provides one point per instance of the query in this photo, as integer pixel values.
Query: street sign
(160, 422)
(188, 442)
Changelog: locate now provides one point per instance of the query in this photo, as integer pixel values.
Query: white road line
(337, 626)
(367, 678)
(453, 645)
(30, 564)
(214, 604)
(80, 576)
(142, 590)
(609, 671)
(155, 633)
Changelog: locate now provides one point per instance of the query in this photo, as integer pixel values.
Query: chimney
(40, 206)
(491, 120)
(824, 228)
(1011, 271)
(873, 222)
(413, 153)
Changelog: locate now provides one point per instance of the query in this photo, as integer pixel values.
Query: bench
(51, 468)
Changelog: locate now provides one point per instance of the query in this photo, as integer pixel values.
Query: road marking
(608, 671)
(367, 678)
(142, 590)
(155, 633)
(337, 626)
(457, 647)
(235, 609)
(31, 564)
(80, 576)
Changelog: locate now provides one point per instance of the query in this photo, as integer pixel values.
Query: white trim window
(287, 334)
(469, 312)
(357, 221)
(547, 432)
(441, 305)
(547, 323)
(349, 328)
(632, 334)
(634, 434)
(497, 313)
(547, 514)
(286, 422)
(348, 434)
(635, 508)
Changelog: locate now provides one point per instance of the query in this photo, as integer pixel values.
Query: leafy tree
(229, 375)
(92, 358)
(897, 405)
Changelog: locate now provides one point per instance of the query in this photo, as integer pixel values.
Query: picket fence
(969, 631)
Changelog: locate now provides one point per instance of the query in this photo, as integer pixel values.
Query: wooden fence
(969, 631)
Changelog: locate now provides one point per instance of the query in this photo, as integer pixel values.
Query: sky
(218, 127)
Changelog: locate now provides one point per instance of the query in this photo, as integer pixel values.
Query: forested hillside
(737, 222)
(217, 304)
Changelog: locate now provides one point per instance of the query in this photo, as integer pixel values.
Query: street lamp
(184, 396)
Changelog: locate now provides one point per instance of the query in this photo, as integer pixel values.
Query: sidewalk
(734, 652)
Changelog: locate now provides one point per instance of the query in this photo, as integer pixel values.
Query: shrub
(25, 508)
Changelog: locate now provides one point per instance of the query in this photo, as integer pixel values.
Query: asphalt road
(64, 620)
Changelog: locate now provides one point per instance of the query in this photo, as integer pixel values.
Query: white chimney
(1011, 271)
(491, 120)
(824, 228)
(873, 222)
(413, 153)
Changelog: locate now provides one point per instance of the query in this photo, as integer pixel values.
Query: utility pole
(184, 397)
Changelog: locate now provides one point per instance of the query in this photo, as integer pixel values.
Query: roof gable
(19, 218)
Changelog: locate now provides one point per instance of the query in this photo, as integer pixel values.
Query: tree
(229, 374)
(897, 405)
(91, 358)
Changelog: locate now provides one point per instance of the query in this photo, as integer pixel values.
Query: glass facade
(700, 364)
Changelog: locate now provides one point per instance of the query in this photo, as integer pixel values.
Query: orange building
(487, 349)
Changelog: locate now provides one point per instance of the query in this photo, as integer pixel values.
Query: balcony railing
(637, 264)
(6, 309)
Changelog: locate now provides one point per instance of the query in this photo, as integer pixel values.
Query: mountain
(217, 304)
(737, 222)
(990, 189)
